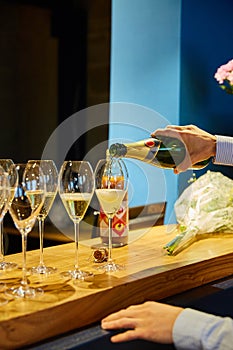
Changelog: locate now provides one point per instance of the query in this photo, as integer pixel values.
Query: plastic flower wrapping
(205, 206)
(224, 76)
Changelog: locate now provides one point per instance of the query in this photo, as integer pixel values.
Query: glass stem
(76, 238)
(1, 242)
(109, 239)
(41, 234)
(24, 268)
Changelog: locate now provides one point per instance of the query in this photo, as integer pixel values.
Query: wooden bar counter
(149, 274)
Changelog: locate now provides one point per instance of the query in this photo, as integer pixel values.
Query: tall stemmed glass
(25, 207)
(49, 170)
(12, 180)
(4, 189)
(111, 183)
(76, 187)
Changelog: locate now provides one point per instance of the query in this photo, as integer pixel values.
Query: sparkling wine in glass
(50, 173)
(111, 183)
(25, 207)
(76, 187)
(12, 180)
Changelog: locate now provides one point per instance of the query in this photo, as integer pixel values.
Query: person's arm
(187, 329)
(194, 330)
(224, 150)
(200, 145)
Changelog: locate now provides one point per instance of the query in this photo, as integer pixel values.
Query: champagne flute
(50, 173)
(4, 189)
(111, 183)
(25, 207)
(12, 179)
(76, 187)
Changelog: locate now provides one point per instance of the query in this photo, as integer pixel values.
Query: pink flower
(224, 76)
(230, 77)
(229, 65)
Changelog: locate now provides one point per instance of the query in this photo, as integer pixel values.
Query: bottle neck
(145, 150)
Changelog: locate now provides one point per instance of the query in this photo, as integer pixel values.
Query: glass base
(7, 266)
(43, 270)
(78, 275)
(24, 292)
(111, 266)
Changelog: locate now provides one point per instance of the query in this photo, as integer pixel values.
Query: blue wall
(145, 71)
(206, 43)
(164, 56)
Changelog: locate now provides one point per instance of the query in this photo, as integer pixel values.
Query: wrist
(224, 150)
(213, 146)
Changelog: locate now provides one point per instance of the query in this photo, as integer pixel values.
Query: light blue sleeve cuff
(224, 150)
(194, 330)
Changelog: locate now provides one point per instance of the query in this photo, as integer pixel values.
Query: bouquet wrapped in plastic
(206, 206)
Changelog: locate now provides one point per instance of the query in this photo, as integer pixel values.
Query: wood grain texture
(149, 275)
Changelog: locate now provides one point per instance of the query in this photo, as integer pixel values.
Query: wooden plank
(149, 275)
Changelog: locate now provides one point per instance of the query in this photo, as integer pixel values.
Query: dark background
(54, 61)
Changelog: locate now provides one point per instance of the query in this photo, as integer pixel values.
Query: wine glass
(25, 207)
(4, 195)
(12, 179)
(76, 187)
(50, 173)
(111, 183)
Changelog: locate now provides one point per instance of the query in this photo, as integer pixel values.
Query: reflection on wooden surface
(149, 274)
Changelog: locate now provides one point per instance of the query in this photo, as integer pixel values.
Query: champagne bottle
(163, 152)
